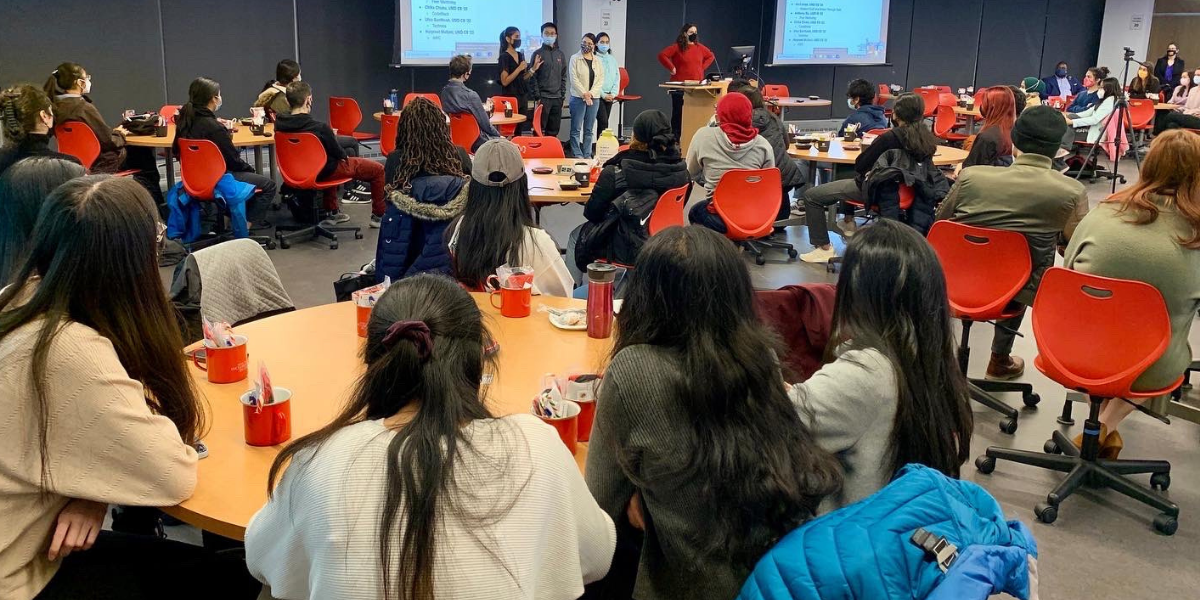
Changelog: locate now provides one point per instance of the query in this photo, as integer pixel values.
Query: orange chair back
(775, 91)
(344, 114)
(1056, 102)
(434, 98)
(985, 268)
(883, 89)
(669, 210)
(624, 81)
(944, 120)
(877, 131)
(387, 133)
(748, 201)
(301, 158)
(945, 89)
(1097, 334)
(1141, 112)
(78, 140)
(539, 147)
(930, 97)
(947, 99)
(201, 166)
(498, 103)
(169, 112)
(463, 130)
(537, 120)
(1070, 101)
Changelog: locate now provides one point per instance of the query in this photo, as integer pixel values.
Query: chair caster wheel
(270, 245)
(1031, 400)
(283, 244)
(1166, 524)
(793, 254)
(358, 235)
(1160, 481)
(985, 464)
(760, 260)
(333, 246)
(1008, 426)
(1046, 513)
(1051, 447)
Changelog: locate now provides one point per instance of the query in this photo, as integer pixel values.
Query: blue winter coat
(183, 218)
(411, 236)
(862, 551)
(868, 117)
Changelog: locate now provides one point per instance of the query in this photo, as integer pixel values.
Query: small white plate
(559, 320)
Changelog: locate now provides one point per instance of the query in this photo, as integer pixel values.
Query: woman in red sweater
(686, 59)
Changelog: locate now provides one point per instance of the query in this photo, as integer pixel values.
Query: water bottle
(600, 299)
(607, 146)
(394, 96)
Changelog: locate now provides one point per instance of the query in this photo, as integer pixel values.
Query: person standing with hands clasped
(515, 74)
(612, 80)
(686, 59)
(548, 85)
(1169, 69)
(587, 79)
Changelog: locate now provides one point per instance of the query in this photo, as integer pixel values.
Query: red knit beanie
(734, 113)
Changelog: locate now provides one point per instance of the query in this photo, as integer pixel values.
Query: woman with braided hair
(27, 120)
(427, 176)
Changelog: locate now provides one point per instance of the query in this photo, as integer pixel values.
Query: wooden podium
(699, 105)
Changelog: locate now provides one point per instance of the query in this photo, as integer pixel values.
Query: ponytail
(19, 108)
(62, 79)
(201, 91)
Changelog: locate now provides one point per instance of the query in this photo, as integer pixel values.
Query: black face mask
(516, 43)
(693, 37)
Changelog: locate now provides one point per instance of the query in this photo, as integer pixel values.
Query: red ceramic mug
(271, 424)
(514, 302)
(364, 316)
(223, 365)
(567, 425)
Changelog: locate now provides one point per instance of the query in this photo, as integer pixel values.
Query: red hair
(999, 109)
(1168, 171)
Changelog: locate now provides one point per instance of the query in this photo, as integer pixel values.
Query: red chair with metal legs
(907, 195)
(669, 210)
(985, 269)
(201, 166)
(463, 130)
(345, 116)
(539, 147)
(1141, 117)
(387, 133)
(301, 158)
(622, 97)
(78, 140)
(1096, 335)
(537, 121)
(747, 200)
(169, 112)
(930, 97)
(776, 90)
(434, 98)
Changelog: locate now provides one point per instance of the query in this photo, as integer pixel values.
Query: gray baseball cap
(497, 156)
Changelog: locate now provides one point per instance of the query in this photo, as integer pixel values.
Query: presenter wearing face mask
(515, 73)
(1169, 69)
(685, 60)
(548, 85)
(1061, 84)
(612, 80)
(586, 81)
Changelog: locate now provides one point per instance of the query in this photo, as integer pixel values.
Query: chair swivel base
(289, 233)
(981, 389)
(758, 247)
(216, 237)
(1084, 468)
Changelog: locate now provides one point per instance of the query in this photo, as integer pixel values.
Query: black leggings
(676, 112)
(1175, 120)
(132, 567)
(602, 114)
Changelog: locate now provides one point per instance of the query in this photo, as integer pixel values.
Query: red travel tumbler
(600, 299)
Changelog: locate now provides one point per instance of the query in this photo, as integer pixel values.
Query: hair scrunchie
(416, 332)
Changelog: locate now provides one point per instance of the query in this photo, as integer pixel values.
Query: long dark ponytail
(915, 137)
(19, 108)
(504, 45)
(201, 91)
(762, 471)
(892, 297)
(63, 78)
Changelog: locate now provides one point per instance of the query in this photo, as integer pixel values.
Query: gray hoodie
(711, 154)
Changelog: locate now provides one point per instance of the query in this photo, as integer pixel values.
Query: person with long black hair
(99, 409)
(26, 124)
(893, 395)
(686, 60)
(197, 120)
(416, 490)
(515, 74)
(497, 228)
(23, 189)
(695, 439)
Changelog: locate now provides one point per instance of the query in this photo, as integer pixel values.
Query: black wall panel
(1014, 50)
(945, 42)
(345, 48)
(1073, 35)
(650, 26)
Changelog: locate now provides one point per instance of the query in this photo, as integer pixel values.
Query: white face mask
(87, 86)
(220, 101)
(850, 103)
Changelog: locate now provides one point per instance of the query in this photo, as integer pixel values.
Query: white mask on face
(850, 103)
(220, 101)
(87, 86)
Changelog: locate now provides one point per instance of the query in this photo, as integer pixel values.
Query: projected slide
(430, 32)
(809, 32)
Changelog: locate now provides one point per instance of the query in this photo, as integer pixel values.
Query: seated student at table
(496, 227)
(457, 98)
(426, 189)
(107, 416)
(909, 134)
(1178, 97)
(993, 144)
(1029, 197)
(1091, 85)
(23, 188)
(337, 164)
(27, 121)
(1018, 98)
(1096, 117)
(891, 316)
(274, 94)
(417, 489)
(860, 98)
(770, 127)
(70, 86)
(733, 143)
(696, 441)
(1186, 116)
(1034, 89)
(1149, 232)
(1144, 84)
(197, 120)
(1060, 84)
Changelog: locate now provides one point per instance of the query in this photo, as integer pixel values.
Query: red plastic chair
(539, 147)
(747, 200)
(1141, 115)
(463, 130)
(78, 140)
(669, 210)
(201, 166)
(985, 269)
(301, 158)
(776, 91)
(944, 122)
(498, 102)
(622, 98)
(1096, 335)
(945, 89)
(434, 98)
(1070, 101)
(907, 195)
(877, 131)
(169, 112)
(931, 99)
(883, 89)
(537, 121)
(387, 133)
(344, 117)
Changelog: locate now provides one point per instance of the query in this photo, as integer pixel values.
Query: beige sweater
(104, 445)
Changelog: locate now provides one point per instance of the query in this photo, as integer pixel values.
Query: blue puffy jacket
(863, 551)
(183, 218)
(411, 236)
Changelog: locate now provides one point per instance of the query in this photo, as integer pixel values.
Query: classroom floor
(1102, 544)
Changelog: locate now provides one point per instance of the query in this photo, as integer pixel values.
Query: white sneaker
(336, 218)
(376, 221)
(819, 255)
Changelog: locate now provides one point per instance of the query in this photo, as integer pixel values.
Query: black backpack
(622, 233)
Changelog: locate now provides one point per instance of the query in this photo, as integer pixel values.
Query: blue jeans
(582, 117)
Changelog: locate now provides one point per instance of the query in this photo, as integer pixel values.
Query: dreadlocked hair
(19, 108)
(423, 143)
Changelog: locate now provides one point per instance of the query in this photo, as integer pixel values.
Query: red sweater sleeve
(667, 57)
(707, 59)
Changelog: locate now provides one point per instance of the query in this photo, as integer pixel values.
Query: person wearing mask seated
(1149, 232)
(860, 98)
(1169, 69)
(457, 98)
(1034, 89)
(27, 122)
(23, 189)
(770, 127)
(427, 188)
(337, 164)
(1145, 84)
(612, 79)
(1029, 197)
(587, 82)
(1060, 84)
(733, 143)
(1096, 117)
(1187, 115)
(909, 134)
(696, 441)
(197, 120)
(1178, 97)
(274, 94)
(497, 228)
(993, 144)
(100, 409)
(69, 87)
(891, 316)
(417, 489)
(1091, 84)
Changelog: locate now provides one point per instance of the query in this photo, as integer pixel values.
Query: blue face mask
(603, 48)
(1060, 73)
(549, 40)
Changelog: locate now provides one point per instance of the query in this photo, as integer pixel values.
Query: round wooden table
(945, 155)
(242, 138)
(315, 353)
(786, 102)
(497, 119)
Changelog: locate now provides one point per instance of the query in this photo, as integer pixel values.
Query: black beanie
(1039, 130)
(653, 128)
